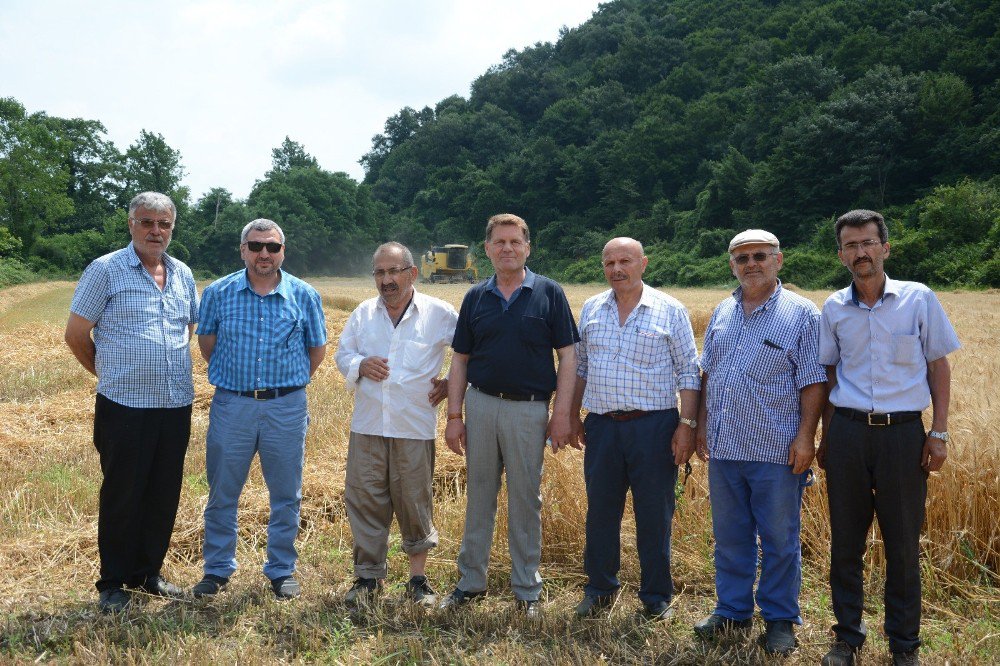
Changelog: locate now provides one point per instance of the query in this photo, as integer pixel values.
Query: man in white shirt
(390, 352)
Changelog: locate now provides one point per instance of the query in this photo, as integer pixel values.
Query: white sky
(225, 80)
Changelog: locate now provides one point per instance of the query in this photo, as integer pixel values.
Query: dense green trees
(678, 122)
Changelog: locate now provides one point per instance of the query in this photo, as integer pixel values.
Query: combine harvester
(448, 263)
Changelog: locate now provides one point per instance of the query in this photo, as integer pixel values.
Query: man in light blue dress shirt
(263, 334)
(762, 394)
(140, 305)
(885, 344)
(636, 352)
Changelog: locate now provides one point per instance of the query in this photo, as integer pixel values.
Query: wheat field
(49, 478)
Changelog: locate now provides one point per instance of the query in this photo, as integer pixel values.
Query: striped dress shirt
(140, 332)
(756, 366)
(262, 342)
(640, 364)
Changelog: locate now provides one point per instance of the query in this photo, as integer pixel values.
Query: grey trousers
(503, 436)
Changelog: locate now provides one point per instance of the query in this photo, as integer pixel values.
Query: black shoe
(659, 611)
(592, 604)
(362, 590)
(286, 587)
(911, 658)
(841, 654)
(458, 598)
(532, 608)
(158, 587)
(114, 600)
(716, 624)
(419, 591)
(779, 638)
(209, 586)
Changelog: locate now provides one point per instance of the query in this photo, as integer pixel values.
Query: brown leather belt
(872, 419)
(625, 415)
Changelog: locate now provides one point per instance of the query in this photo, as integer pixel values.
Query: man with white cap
(762, 393)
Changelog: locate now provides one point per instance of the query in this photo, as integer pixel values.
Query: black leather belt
(624, 414)
(872, 419)
(517, 397)
(268, 394)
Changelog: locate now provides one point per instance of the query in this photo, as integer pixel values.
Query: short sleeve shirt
(510, 343)
(262, 342)
(141, 333)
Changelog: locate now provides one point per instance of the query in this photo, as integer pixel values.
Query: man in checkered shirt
(763, 391)
(130, 324)
(636, 351)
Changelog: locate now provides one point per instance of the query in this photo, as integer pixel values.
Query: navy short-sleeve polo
(510, 350)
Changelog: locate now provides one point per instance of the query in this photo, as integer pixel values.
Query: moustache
(862, 260)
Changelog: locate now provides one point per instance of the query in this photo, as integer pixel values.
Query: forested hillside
(677, 122)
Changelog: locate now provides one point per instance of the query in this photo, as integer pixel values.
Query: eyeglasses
(759, 257)
(391, 272)
(867, 244)
(164, 225)
(257, 246)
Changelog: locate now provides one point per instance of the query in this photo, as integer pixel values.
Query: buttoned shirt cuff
(353, 374)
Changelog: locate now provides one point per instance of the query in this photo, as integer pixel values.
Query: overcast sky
(225, 80)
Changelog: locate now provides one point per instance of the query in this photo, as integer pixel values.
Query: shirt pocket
(416, 356)
(288, 333)
(906, 350)
(650, 345)
(771, 362)
(535, 332)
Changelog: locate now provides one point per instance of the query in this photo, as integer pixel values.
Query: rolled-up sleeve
(684, 352)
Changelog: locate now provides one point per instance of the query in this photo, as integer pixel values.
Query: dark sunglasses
(759, 257)
(257, 246)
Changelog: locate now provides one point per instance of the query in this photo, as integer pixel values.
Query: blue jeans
(751, 500)
(621, 455)
(239, 428)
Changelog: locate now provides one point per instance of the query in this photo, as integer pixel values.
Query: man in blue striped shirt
(636, 352)
(762, 395)
(263, 334)
(140, 305)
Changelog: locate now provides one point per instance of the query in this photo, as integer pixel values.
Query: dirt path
(46, 302)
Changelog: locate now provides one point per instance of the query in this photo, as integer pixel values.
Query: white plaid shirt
(756, 367)
(641, 364)
(141, 333)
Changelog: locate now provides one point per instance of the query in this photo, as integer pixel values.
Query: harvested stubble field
(49, 477)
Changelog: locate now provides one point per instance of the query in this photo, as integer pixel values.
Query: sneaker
(779, 637)
(716, 624)
(419, 591)
(659, 611)
(911, 658)
(841, 654)
(362, 589)
(286, 587)
(158, 587)
(209, 586)
(458, 598)
(114, 600)
(592, 604)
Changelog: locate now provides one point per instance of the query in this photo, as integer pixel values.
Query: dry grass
(48, 505)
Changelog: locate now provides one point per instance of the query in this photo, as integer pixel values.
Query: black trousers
(876, 469)
(142, 458)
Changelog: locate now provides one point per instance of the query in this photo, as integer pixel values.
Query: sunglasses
(257, 246)
(759, 257)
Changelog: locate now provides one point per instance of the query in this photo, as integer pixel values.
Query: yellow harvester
(448, 263)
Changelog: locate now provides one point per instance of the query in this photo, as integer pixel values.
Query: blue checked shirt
(262, 342)
(641, 364)
(140, 333)
(756, 366)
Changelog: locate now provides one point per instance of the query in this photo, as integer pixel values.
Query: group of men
(772, 365)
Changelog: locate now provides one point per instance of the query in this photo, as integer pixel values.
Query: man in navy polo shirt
(263, 334)
(507, 329)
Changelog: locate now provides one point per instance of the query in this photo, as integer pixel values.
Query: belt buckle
(888, 419)
(262, 391)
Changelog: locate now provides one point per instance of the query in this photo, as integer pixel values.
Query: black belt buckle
(880, 419)
(264, 394)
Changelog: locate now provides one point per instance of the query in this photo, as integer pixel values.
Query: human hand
(682, 444)
(933, 456)
(801, 453)
(374, 368)
(439, 391)
(454, 436)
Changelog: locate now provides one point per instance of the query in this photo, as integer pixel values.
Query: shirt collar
(645, 299)
(738, 295)
(529, 280)
(283, 289)
(134, 260)
(891, 287)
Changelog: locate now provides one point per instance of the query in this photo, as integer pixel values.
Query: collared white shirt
(396, 406)
(640, 364)
(881, 353)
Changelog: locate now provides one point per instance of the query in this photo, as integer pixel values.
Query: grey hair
(398, 247)
(261, 224)
(154, 201)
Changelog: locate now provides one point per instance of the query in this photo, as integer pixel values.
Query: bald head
(625, 243)
(624, 263)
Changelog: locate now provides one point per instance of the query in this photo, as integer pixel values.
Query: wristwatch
(689, 422)
(943, 436)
